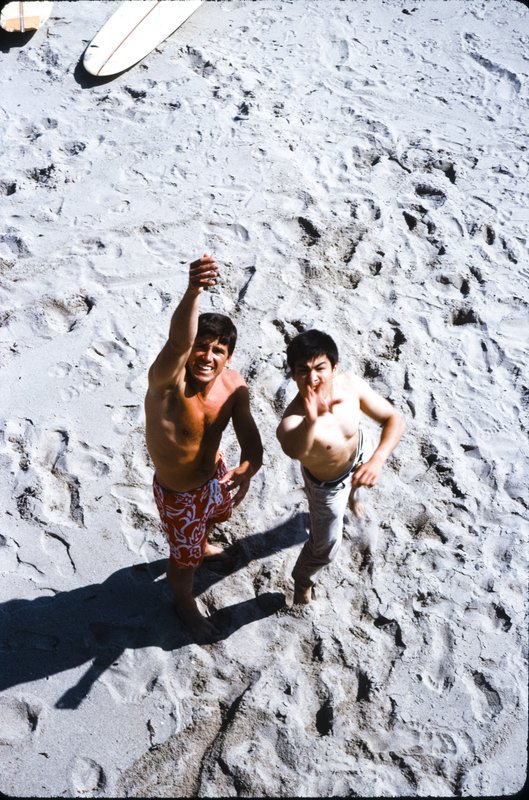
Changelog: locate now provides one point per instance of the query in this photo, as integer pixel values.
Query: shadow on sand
(12, 40)
(87, 81)
(131, 609)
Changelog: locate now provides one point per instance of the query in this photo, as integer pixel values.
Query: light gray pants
(327, 506)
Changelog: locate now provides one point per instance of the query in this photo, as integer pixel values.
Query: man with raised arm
(322, 429)
(191, 397)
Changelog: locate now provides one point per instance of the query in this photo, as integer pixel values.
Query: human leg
(326, 511)
(180, 580)
(302, 594)
(219, 507)
(184, 523)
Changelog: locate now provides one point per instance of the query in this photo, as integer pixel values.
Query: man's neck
(197, 389)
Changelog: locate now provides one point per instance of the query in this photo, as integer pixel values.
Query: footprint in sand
(45, 489)
(63, 315)
(8, 554)
(490, 704)
(125, 418)
(433, 194)
(87, 776)
(440, 675)
(60, 370)
(58, 549)
(49, 470)
(69, 394)
(13, 245)
(139, 525)
(96, 247)
(8, 188)
(20, 719)
(437, 743)
(32, 640)
(111, 351)
(365, 210)
(104, 356)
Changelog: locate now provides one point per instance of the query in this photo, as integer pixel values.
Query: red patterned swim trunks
(186, 515)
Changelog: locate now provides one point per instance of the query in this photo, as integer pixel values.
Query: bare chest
(339, 427)
(194, 418)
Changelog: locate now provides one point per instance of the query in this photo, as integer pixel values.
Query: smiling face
(315, 372)
(207, 359)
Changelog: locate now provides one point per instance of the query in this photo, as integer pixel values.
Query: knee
(333, 551)
(325, 552)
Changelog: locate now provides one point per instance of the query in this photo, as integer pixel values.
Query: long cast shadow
(131, 609)
(252, 548)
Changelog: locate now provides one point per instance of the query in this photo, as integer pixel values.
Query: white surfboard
(19, 17)
(132, 31)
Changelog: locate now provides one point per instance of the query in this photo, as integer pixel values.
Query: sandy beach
(359, 166)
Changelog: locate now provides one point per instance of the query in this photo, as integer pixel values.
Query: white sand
(357, 166)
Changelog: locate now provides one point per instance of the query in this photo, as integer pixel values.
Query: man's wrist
(248, 467)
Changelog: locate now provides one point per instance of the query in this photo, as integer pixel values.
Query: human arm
(171, 360)
(295, 435)
(297, 430)
(249, 440)
(393, 426)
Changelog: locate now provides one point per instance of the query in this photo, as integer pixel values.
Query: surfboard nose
(132, 32)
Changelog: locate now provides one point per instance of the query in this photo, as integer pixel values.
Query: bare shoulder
(347, 383)
(361, 387)
(294, 408)
(232, 379)
(234, 386)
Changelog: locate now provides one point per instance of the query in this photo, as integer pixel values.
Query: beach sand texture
(356, 166)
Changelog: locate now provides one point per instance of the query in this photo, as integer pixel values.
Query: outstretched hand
(203, 272)
(315, 403)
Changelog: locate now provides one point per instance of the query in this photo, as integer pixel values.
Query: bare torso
(336, 432)
(184, 429)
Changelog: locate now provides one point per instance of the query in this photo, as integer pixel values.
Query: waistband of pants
(358, 459)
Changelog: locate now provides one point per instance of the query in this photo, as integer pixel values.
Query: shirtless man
(190, 400)
(321, 428)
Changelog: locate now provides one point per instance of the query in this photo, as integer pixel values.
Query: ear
(335, 369)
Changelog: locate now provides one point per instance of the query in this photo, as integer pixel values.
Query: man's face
(316, 372)
(207, 359)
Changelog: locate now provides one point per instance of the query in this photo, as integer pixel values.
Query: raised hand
(315, 403)
(203, 272)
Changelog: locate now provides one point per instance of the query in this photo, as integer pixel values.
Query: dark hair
(309, 344)
(218, 326)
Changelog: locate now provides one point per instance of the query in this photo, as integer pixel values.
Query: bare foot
(198, 625)
(205, 631)
(213, 550)
(302, 594)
